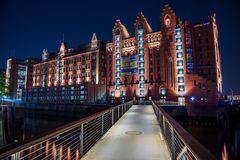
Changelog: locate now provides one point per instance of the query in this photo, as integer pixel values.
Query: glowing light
(112, 93)
(192, 98)
(224, 153)
(163, 92)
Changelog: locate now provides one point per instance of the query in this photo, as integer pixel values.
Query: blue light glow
(192, 98)
(141, 59)
(112, 93)
(179, 55)
(118, 65)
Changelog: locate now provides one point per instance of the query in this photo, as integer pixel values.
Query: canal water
(220, 136)
(18, 123)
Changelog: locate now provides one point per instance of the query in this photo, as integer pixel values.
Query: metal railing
(180, 143)
(71, 141)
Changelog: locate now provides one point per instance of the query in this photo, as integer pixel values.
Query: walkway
(136, 136)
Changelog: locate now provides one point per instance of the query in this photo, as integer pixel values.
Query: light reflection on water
(221, 138)
(17, 124)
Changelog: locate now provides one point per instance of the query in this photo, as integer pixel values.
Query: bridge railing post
(102, 127)
(112, 116)
(118, 111)
(81, 141)
(173, 144)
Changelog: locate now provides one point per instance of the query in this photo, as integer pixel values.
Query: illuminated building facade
(19, 76)
(73, 75)
(181, 62)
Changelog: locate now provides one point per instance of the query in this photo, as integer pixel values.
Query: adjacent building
(72, 75)
(19, 76)
(179, 61)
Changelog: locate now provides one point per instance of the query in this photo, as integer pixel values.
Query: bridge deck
(136, 136)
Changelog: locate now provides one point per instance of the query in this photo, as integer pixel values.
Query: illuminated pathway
(136, 136)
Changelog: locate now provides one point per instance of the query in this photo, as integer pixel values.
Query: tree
(2, 84)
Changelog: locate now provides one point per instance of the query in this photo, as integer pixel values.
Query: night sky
(29, 26)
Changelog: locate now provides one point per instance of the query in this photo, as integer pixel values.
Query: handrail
(96, 126)
(179, 141)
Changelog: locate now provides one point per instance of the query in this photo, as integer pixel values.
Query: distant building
(19, 76)
(72, 75)
(179, 63)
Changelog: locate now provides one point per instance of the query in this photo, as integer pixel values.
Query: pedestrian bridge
(136, 136)
(129, 131)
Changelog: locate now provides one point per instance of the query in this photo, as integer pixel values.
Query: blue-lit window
(180, 71)
(141, 51)
(141, 64)
(181, 88)
(117, 44)
(180, 79)
(112, 93)
(178, 31)
(179, 47)
(141, 58)
(123, 93)
(118, 50)
(117, 87)
(179, 55)
(118, 80)
(118, 74)
(141, 85)
(179, 63)
(141, 71)
(118, 61)
(81, 97)
(141, 78)
(178, 40)
(141, 92)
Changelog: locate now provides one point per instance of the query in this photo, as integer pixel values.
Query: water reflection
(219, 136)
(224, 153)
(17, 124)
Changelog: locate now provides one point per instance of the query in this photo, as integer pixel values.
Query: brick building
(178, 62)
(72, 75)
(181, 62)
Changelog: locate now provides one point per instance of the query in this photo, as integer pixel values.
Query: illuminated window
(117, 87)
(179, 55)
(179, 47)
(141, 85)
(179, 62)
(181, 88)
(180, 79)
(178, 40)
(112, 93)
